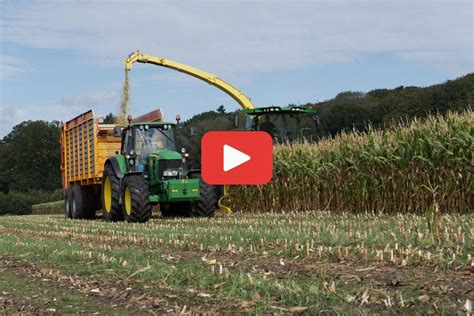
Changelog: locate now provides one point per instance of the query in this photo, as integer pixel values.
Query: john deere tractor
(149, 170)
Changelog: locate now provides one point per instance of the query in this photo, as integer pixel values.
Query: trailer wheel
(111, 195)
(89, 198)
(67, 203)
(135, 197)
(208, 198)
(77, 203)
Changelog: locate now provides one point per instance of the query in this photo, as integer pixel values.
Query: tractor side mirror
(192, 131)
(117, 131)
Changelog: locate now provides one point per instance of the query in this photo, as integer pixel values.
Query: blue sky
(60, 58)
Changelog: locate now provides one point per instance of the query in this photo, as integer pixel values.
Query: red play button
(237, 157)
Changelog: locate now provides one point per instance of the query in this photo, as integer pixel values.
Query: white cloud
(246, 37)
(61, 110)
(91, 99)
(11, 66)
(232, 39)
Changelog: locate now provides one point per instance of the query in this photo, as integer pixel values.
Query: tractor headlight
(170, 173)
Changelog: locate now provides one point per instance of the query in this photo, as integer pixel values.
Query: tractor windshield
(149, 139)
(286, 127)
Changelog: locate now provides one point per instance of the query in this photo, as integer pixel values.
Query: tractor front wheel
(135, 199)
(111, 195)
(208, 198)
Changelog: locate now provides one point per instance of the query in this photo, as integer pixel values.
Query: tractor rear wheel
(111, 195)
(67, 203)
(135, 199)
(208, 198)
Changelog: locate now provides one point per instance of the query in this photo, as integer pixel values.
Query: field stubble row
(259, 262)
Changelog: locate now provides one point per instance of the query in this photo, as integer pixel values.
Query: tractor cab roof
(279, 110)
(157, 124)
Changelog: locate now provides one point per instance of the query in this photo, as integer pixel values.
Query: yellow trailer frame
(85, 146)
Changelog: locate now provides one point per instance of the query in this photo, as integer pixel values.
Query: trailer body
(85, 146)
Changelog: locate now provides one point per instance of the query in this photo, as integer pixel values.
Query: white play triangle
(233, 158)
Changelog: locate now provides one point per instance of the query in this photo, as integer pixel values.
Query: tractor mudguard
(131, 173)
(118, 165)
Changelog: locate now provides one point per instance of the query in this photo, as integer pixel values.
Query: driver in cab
(268, 126)
(146, 143)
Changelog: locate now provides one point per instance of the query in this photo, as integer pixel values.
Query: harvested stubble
(242, 263)
(380, 171)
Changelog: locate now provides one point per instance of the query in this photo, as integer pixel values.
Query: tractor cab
(284, 124)
(145, 142)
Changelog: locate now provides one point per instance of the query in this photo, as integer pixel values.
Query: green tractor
(148, 171)
(285, 124)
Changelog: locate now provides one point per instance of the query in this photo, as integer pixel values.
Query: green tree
(383, 107)
(200, 124)
(110, 119)
(345, 117)
(5, 168)
(221, 109)
(31, 157)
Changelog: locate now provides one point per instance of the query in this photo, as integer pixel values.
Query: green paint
(153, 176)
(122, 162)
(166, 155)
(153, 165)
(177, 190)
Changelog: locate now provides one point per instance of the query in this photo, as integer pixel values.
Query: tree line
(29, 166)
(383, 107)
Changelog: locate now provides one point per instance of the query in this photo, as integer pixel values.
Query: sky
(61, 58)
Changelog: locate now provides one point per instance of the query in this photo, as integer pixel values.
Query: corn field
(408, 168)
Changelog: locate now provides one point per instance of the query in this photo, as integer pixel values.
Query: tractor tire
(78, 210)
(209, 196)
(67, 203)
(90, 201)
(180, 209)
(110, 193)
(135, 199)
